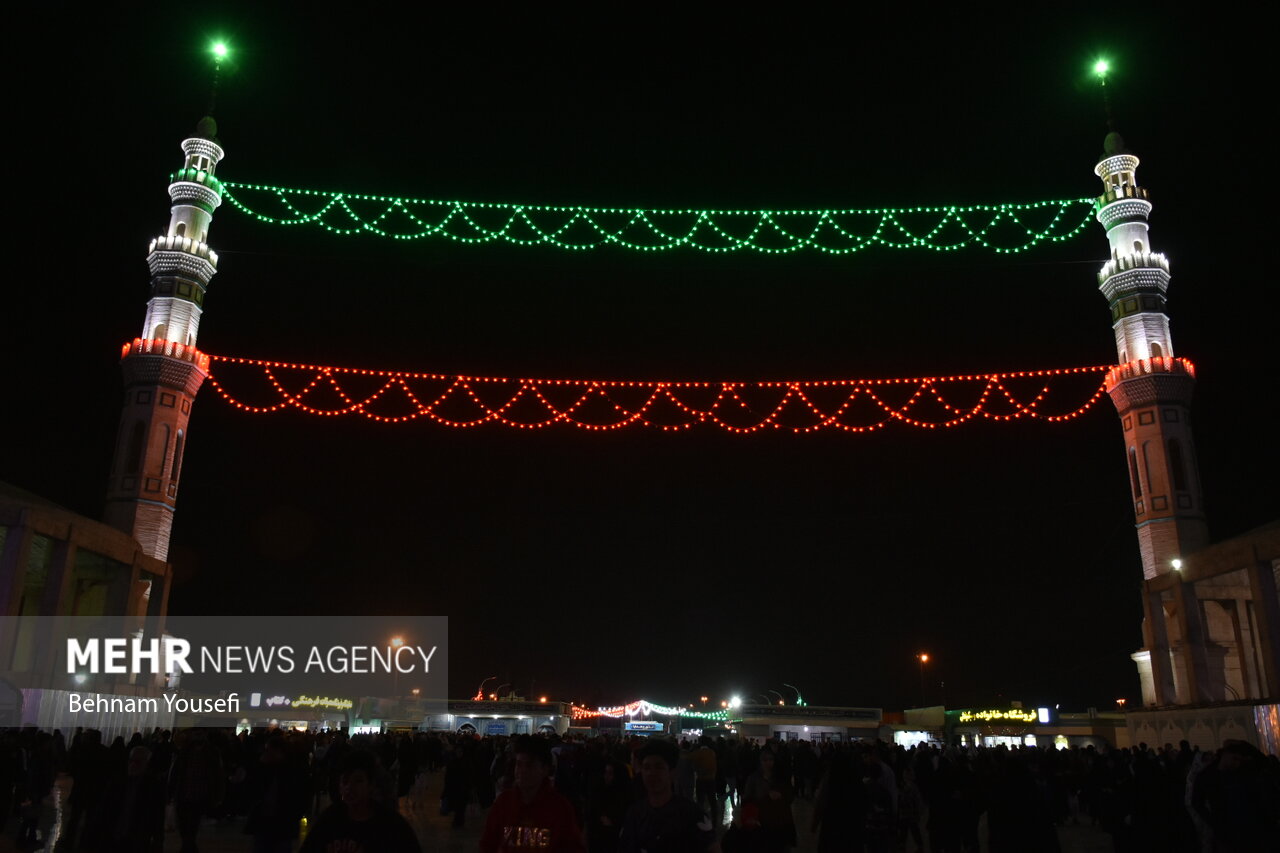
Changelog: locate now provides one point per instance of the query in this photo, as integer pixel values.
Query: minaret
(1151, 390)
(162, 368)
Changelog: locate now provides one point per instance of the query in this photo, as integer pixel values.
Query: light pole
(781, 701)
(923, 657)
(799, 699)
(396, 643)
(480, 689)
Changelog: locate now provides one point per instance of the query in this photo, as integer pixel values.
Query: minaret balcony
(1136, 261)
(1116, 164)
(170, 349)
(197, 176)
(183, 244)
(1122, 210)
(1121, 193)
(199, 146)
(188, 192)
(161, 261)
(1147, 367)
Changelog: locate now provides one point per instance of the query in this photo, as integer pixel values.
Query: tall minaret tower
(162, 368)
(1152, 394)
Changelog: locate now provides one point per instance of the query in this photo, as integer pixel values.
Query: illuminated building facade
(1210, 620)
(54, 562)
(163, 370)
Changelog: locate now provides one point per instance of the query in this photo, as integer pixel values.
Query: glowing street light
(1101, 67)
(923, 657)
(396, 642)
(735, 702)
(219, 49)
(1177, 564)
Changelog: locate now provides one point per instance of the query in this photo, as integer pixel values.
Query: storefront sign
(644, 726)
(305, 701)
(1016, 715)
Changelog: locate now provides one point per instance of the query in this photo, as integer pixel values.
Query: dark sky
(614, 566)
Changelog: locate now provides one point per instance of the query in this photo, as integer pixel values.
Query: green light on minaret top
(220, 50)
(1101, 67)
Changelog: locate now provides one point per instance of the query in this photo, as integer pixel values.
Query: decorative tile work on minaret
(163, 369)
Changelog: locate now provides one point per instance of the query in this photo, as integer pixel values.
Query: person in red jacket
(532, 814)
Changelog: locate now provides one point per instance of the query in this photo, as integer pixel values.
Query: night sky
(604, 567)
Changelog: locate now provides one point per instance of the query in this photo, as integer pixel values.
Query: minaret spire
(162, 368)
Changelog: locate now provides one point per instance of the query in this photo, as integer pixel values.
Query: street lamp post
(480, 689)
(923, 658)
(396, 642)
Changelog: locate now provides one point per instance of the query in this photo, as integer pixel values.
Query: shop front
(1046, 728)
(808, 722)
(990, 727)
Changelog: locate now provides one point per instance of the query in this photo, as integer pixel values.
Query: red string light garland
(851, 405)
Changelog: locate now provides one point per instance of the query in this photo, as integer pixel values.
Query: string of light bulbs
(643, 708)
(999, 227)
(849, 405)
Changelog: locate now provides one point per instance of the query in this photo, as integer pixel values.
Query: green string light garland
(768, 231)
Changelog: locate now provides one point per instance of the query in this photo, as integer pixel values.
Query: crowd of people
(611, 794)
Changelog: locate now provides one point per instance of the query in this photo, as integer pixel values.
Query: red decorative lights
(852, 405)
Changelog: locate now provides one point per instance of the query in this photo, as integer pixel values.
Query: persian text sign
(1015, 715)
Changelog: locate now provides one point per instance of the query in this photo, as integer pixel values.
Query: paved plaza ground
(422, 810)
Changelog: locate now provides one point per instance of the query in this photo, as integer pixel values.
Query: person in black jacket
(457, 784)
(129, 816)
(608, 797)
(359, 822)
(280, 792)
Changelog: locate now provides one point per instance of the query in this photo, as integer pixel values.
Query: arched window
(137, 441)
(1176, 465)
(1133, 473)
(1146, 464)
(1156, 351)
(1137, 247)
(181, 230)
(177, 458)
(159, 332)
(164, 448)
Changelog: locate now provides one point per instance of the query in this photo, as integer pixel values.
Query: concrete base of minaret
(148, 523)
